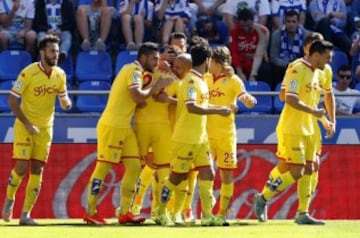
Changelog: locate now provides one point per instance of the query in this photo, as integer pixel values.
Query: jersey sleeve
(293, 80)
(134, 79)
(239, 86)
(326, 82)
(189, 92)
(19, 85)
(62, 90)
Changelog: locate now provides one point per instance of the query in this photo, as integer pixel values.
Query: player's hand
(249, 100)
(225, 111)
(234, 108)
(32, 129)
(330, 130)
(319, 112)
(65, 103)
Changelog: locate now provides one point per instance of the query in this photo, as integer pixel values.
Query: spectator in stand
(345, 104)
(173, 15)
(248, 44)
(57, 18)
(139, 14)
(16, 19)
(261, 10)
(355, 47)
(210, 24)
(330, 20)
(286, 44)
(94, 22)
(280, 7)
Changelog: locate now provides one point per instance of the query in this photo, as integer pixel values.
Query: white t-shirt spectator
(346, 103)
(26, 10)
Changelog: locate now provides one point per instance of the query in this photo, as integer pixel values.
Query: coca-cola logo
(241, 206)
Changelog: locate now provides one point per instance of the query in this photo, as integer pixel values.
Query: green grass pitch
(75, 228)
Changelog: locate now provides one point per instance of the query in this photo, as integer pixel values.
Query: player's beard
(51, 62)
(148, 68)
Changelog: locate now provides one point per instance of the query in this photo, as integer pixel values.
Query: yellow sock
(161, 174)
(314, 182)
(274, 173)
(32, 191)
(145, 178)
(180, 194)
(206, 196)
(192, 177)
(95, 185)
(304, 192)
(278, 185)
(13, 185)
(165, 195)
(128, 184)
(226, 192)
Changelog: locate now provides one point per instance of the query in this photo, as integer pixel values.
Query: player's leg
(132, 164)
(145, 178)
(293, 149)
(188, 214)
(22, 148)
(304, 184)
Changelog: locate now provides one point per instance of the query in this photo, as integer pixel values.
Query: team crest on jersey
(191, 93)
(293, 85)
(136, 78)
(18, 85)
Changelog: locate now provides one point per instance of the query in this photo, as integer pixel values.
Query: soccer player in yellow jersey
(306, 185)
(224, 90)
(296, 124)
(116, 139)
(189, 140)
(153, 130)
(37, 86)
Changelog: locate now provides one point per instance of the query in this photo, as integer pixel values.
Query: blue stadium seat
(339, 58)
(93, 66)
(67, 66)
(92, 103)
(12, 62)
(278, 105)
(264, 103)
(5, 85)
(124, 57)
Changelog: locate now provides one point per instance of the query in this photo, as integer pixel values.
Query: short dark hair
(147, 48)
(245, 14)
(320, 47)
(177, 35)
(313, 36)
(199, 53)
(195, 40)
(48, 39)
(292, 13)
(344, 67)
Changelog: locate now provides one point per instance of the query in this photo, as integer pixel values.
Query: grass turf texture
(75, 228)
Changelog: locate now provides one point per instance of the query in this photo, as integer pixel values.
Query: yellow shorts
(294, 149)
(224, 152)
(187, 156)
(115, 144)
(157, 137)
(27, 146)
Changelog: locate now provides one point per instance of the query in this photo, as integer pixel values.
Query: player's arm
(329, 127)
(164, 98)
(329, 102)
(139, 95)
(65, 101)
(14, 104)
(192, 107)
(293, 100)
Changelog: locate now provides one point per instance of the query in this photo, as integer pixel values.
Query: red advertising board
(63, 192)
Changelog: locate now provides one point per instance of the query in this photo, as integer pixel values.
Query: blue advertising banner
(251, 129)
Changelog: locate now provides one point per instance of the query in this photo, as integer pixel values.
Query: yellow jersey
(190, 128)
(172, 91)
(38, 92)
(223, 91)
(302, 80)
(153, 112)
(120, 107)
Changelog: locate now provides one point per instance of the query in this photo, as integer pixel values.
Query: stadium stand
(92, 103)
(264, 103)
(5, 85)
(124, 57)
(12, 62)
